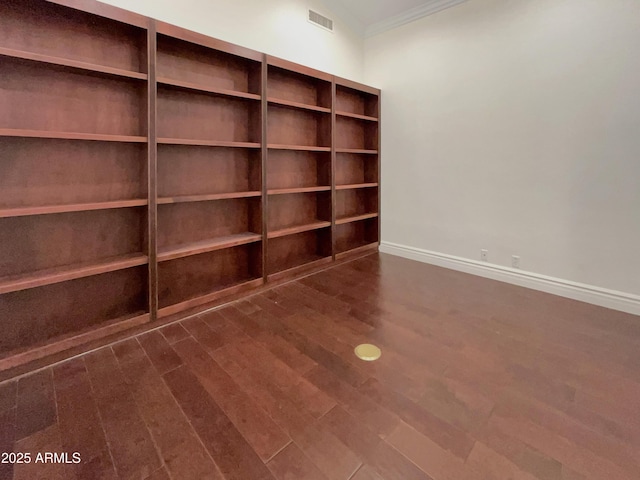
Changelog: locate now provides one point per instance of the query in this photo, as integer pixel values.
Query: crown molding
(428, 8)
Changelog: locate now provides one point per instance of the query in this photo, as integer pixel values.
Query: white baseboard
(625, 302)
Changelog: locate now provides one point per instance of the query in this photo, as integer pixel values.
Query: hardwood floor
(477, 380)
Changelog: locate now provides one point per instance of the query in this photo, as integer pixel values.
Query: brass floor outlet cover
(368, 352)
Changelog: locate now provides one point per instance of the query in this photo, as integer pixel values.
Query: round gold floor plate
(368, 352)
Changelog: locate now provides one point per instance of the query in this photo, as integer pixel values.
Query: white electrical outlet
(515, 261)
(484, 255)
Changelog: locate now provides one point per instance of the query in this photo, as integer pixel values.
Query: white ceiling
(370, 17)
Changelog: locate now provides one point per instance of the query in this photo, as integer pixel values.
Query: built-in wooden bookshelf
(73, 173)
(357, 168)
(146, 170)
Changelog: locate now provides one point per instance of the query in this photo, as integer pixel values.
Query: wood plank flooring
(477, 380)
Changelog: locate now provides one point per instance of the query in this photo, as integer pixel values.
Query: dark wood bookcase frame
(146, 170)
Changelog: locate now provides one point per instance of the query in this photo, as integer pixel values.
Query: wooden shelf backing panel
(352, 133)
(210, 69)
(351, 203)
(291, 169)
(196, 248)
(56, 31)
(286, 126)
(42, 314)
(58, 62)
(196, 87)
(298, 89)
(305, 227)
(292, 251)
(70, 272)
(68, 101)
(356, 168)
(31, 244)
(355, 218)
(196, 116)
(195, 276)
(188, 170)
(186, 223)
(37, 172)
(352, 101)
(297, 209)
(355, 235)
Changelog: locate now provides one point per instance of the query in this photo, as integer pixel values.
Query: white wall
(276, 27)
(514, 125)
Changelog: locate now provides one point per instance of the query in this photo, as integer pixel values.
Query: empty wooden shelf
(350, 186)
(356, 235)
(295, 252)
(191, 171)
(196, 279)
(353, 168)
(146, 170)
(203, 246)
(36, 315)
(64, 273)
(297, 212)
(73, 64)
(289, 169)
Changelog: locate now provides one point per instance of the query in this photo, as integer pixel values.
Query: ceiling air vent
(320, 20)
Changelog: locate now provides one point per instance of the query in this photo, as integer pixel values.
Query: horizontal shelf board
(11, 132)
(218, 243)
(356, 115)
(64, 62)
(205, 198)
(362, 248)
(355, 185)
(278, 146)
(356, 150)
(298, 229)
(76, 207)
(207, 89)
(304, 106)
(355, 218)
(206, 143)
(282, 191)
(222, 291)
(71, 272)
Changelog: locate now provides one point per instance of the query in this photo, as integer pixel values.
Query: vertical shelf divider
(152, 169)
(333, 168)
(379, 160)
(263, 158)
